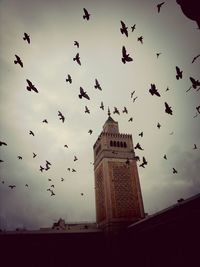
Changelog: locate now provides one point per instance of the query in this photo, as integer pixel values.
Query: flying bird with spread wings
(77, 59)
(133, 27)
(179, 73)
(124, 29)
(18, 61)
(3, 143)
(83, 94)
(153, 90)
(45, 121)
(140, 39)
(86, 14)
(159, 6)
(168, 109)
(26, 38)
(195, 83)
(87, 110)
(125, 56)
(116, 111)
(69, 78)
(144, 162)
(138, 146)
(97, 85)
(125, 110)
(12, 186)
(31, 86)
(102, 106)
(76, 43)
(61, 117)
(31, 133)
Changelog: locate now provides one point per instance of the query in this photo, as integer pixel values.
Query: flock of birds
(126, 58)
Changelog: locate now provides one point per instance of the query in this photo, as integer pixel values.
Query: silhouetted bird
(77, 59)
(49, 180)
(12, 186)
(141, 134)
(97, 85)
(131, 119)
(158, 54)
(116, 111)
(31, 86)
(195, 58)
(73, 170)
(31, 133)
(125, 110)
(132, 93)
(102, 106)
(47, 167)
(195, 83)
(82, 194)
(143, 163)
(153, 90)
(159, 6)
(135, 98)
(123, 29)
(45, 121)
(83, 94)
(90, 131)
(26, 185)
(52, 193)
(140, 39)
(87, 110)
(76, 43)
(198, 109)
(62, 179)
(68, 169)
(1, 160)
(168, 109)
(41, 168)
(127, 161)
(138, 146)
(26, 37)
(75, 158)
(20, 157)
(48, 163)
(53, 186)
(195, 146)
(175, 171)
(167, 89)
(69, 79)
(66, 146)
(158, 125)
(34, 155)
(86, 14)
(2, 143)
(61, 117)
(18, 61)
(125, 56)
(179, 73)
(133, 27)
(165, 157)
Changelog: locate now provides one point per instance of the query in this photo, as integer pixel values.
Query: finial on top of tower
(108, 112)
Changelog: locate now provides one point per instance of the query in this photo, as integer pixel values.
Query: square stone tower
(117, 187)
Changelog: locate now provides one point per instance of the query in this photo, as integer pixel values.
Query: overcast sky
(53, 26)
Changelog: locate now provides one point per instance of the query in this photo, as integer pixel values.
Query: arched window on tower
(125, 145)
(121, 144)
(117, 143)
(114, 143)
(111, 143)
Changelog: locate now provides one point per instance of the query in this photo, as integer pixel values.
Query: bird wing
(29, 82)
(123, 24)
(86, 12)
(123, 51)
(81, 91)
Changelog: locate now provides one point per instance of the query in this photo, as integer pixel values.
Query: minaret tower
(117, 187)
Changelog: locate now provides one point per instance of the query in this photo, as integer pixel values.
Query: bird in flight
(20, 157)
(125, 56)
(144, 162)
(62, 179)
(158, 54)
(61, 117)
(31, 86)
(69, 79)
(195, 146)
(34, 155)
(131, 119)
(2, 143)
(18, 61)
(82, 194)
(140, 39)
(174, 170)
(195, 58)
(31, 133)
(76, 43)
(159, 6)
(198, 109)
(195, 83)
(135, 98)
(153, 90)
(167, 89)
(45, 121)
(12, 186)
(66, 146)
(97, 85)
(75, 158)
(125, 110)
(138, 146)
(137, 158)
(26, 185)
(141, 134)
(1, 160)
(158, 125)
(87, 110)
(86, 14)
(77, 59)
(73, 170)
(133, 27)
(132, 93)
(165, 157)
(26, 38)
(90, 131)
(83, 94)
(52, 193)
(102, 106)
(179, 73)
(116, 111)
(41, 168)
(124, 29)
(168, 109)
